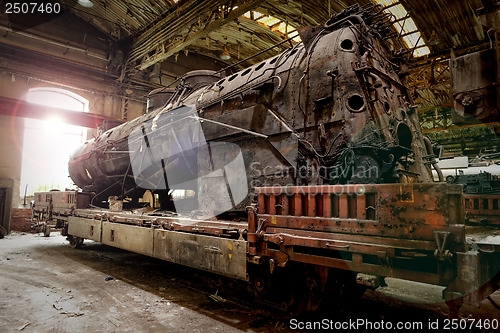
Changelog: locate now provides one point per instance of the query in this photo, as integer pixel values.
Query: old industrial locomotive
(331, 110)
(302, 175)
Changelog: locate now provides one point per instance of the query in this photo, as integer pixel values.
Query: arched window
(57, 97)
(48, 143)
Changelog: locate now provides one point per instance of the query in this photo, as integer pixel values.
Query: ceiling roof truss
(173, 46)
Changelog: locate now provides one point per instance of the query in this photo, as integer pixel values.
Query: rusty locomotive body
(331, 110)
(311, 162)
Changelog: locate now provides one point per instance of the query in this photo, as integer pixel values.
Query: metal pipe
(232, 127)
(257, 54)
(46, 40)
(347, 19)
(428, 147)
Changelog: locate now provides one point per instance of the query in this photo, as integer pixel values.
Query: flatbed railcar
(297, 241)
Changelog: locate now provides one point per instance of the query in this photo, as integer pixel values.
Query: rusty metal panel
(272, 204)
(218, 255)
(297, 205)
(262, 204)
(361, 207)
(84, 228)
(283, 205)
(376, 229)
(411, 211)
(60, 200)
(311, 205)
(327, 205)
(344, 213)
(472, 277)
(482, 208)
(472, 71)
(128, 237)
(472, 85)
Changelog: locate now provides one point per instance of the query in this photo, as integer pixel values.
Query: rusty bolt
(278, 239)
(272, 265)
(448, 255)
(332, 74)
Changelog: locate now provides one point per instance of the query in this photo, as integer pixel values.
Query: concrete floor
(47, 286)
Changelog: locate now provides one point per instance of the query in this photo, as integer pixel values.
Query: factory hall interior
(357, 187)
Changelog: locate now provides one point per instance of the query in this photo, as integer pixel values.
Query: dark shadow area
(223, 299)
(230, 302)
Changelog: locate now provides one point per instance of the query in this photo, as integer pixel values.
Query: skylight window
(268, 20)
(406, 27)
(253, 15)
(273, 23)
(398, 11)
(402, 22)
(283, 28)
(257, 15)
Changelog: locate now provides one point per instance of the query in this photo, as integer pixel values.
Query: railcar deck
(414, 232)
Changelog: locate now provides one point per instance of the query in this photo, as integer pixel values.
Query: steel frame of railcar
(409, 231)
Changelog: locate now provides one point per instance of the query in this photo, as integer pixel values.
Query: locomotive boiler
(333, 109)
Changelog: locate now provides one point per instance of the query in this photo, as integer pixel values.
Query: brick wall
(18, 220)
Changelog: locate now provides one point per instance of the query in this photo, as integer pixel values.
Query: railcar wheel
(46, 230)
(75, 242)
(341, 289)
(64, 230)
(297, 289)
(317, 288)
(306, 293)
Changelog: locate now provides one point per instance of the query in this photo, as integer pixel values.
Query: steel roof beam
(164, 53)
(18, 108)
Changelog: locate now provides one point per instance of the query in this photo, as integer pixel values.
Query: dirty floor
(47, 286)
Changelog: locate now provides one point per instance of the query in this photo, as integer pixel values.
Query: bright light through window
(268, 20)
(274, 24)
(405, 26)
(48, 143)
(283, 28)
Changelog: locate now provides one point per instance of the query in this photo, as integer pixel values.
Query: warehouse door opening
(48, 143)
